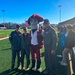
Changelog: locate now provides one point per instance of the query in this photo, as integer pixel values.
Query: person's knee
(65, 51)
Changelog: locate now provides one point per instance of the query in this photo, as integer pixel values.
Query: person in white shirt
(36, 41)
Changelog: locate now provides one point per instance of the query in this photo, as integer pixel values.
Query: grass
(5, 55)
(5, 59)
(5, 33)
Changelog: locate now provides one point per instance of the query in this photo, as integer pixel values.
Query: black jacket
(15, 40)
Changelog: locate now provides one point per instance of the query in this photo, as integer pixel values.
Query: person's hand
(52, 52)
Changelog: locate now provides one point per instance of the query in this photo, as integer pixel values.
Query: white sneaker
(39, 69)
(60, 56)
(23, 68)
(63, 63)
(34, 69)
(19, 68)
(27, 69)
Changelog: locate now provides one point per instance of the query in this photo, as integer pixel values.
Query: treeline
(10, 25)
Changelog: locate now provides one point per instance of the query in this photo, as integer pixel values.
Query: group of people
(26, 43)
(67, 44)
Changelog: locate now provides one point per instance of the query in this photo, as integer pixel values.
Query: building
(65, 23)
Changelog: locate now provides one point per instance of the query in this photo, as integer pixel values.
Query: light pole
(59, 13)
(3, 17)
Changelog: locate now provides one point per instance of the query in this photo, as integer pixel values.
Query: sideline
(4, 38)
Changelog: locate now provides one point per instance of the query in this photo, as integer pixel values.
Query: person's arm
(11, 38)
(54, 41)
(22, 41)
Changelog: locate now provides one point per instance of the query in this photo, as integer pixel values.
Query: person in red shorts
(36, 41)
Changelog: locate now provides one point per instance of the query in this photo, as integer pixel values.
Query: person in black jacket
(15, 40)
(50, 40)
(25, 48)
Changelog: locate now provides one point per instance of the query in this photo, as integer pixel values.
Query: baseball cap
(46, 21)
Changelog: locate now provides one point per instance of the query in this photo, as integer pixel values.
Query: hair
(70, 26)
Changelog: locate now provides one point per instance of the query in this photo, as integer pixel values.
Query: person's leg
(33, 56)
(46, 57)
(64, 53)
(28, 57)
(53, 64)
(22, 58)
(13, 58)
(38, 55)
(18, 61)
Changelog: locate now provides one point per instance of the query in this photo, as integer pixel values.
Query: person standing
(70, 43)
(36, 41)
(15, 40)
(25, 48)
(50, 40)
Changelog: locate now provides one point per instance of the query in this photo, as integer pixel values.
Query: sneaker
(19, 68)
(60, 56)
(27, 69)
(34, 69)
(63, 63)
(23, 68)
(39, 70)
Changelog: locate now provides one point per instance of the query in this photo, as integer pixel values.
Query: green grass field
(5, 32)
(5, 59)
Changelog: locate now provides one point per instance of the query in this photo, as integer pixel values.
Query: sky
(18, 11)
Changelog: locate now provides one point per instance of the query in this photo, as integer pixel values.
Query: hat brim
(39, 18)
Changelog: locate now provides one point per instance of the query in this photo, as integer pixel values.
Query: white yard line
(4, 38)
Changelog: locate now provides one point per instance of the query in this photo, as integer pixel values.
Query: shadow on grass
(20, 72)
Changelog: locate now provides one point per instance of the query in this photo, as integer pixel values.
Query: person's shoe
(34, 69)
(27, 69)
(45, 72)
(19, 68)
(60, 56)
(39, 70)
(63, 63)
(23, 68)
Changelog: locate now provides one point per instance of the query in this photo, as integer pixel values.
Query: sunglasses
(45, 23)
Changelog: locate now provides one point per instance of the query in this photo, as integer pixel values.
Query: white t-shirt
(34, 40)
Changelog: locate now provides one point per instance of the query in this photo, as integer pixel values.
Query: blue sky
(17, 11)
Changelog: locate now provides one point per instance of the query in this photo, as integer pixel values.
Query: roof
(70, 21)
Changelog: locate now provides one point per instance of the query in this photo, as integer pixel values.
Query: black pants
(27, 54)
(14, 54)
(50, 62)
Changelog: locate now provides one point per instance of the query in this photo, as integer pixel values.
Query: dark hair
(24, 28)
(17, 26)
